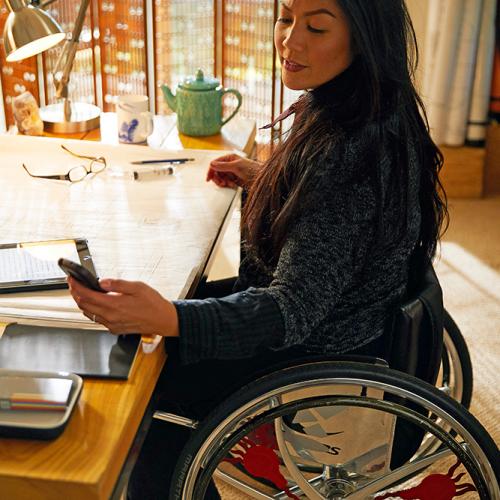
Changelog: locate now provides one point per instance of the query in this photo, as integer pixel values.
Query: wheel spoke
(312, 410)
(397, 475)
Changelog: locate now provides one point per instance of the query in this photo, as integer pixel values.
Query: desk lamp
(30, 30)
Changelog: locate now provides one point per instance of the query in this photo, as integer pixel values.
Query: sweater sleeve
(326, 247)
(231, 327)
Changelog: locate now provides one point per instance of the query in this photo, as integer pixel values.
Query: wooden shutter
(231, 39)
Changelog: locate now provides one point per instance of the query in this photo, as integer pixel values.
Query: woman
(333, 222)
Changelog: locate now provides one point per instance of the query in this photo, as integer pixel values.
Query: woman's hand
(128, 307)
(232, 170)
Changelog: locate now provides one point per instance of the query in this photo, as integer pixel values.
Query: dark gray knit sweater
(340, 273)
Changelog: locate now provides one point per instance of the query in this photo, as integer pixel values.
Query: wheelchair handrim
(239, 418)
(367, 489)
(454, 362)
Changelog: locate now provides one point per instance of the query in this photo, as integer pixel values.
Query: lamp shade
(28, 31)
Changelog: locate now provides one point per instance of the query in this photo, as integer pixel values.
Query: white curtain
(459, 45)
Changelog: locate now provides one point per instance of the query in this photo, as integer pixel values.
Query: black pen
(169, 160)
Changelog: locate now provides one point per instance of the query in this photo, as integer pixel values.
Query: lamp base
(84, 117)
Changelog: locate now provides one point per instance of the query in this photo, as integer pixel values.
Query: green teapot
(198, 104)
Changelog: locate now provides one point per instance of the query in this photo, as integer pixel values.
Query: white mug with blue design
(135, 122)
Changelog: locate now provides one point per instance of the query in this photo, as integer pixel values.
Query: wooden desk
(85, 462)
(238, 134)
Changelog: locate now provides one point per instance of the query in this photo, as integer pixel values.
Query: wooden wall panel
(184, 41)
(16, 77)
(122, 45)
(81, 85)
(248, 56)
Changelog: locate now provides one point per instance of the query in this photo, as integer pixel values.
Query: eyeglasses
(76, 174)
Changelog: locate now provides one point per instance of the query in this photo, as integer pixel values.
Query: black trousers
(193, 391)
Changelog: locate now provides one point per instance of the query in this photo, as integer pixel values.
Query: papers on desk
(160, 232)
(45, 308)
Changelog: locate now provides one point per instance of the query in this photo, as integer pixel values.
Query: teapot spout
(169, 97)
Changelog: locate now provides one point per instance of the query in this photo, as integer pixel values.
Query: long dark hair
(377, 85)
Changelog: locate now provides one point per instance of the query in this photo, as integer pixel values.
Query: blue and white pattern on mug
(126, 133)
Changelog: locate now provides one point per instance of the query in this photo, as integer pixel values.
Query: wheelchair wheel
(456, 367)
(455, 376)
(325, 431)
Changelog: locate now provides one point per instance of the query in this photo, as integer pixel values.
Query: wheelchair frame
(452, 427)
(460, 433)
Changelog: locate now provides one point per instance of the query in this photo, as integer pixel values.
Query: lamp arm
(65, 59)
(45, 4)
(14, 5)
(67, 56)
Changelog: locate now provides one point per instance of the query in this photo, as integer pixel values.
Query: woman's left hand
(128, 307)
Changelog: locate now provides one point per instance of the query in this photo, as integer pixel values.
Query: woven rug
(472, 296)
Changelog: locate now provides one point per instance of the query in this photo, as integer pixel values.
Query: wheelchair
(332, 427)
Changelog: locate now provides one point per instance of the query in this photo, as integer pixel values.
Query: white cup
(135, 122)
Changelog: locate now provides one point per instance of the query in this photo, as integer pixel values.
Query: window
(134, 47)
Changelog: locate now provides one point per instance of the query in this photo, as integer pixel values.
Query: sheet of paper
(35, 261)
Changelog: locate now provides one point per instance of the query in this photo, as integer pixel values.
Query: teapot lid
(200, 82)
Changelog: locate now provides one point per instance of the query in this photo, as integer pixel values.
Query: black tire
(459, 344)
(325, 371)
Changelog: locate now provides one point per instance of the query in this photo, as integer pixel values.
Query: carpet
(471, 292)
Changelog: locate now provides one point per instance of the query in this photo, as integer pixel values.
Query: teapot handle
(238, 96)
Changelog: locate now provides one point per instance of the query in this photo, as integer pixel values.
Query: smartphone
(82, 275)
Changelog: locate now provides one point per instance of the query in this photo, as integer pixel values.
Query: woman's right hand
(232, 170)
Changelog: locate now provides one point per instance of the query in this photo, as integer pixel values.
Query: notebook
(88, 353)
